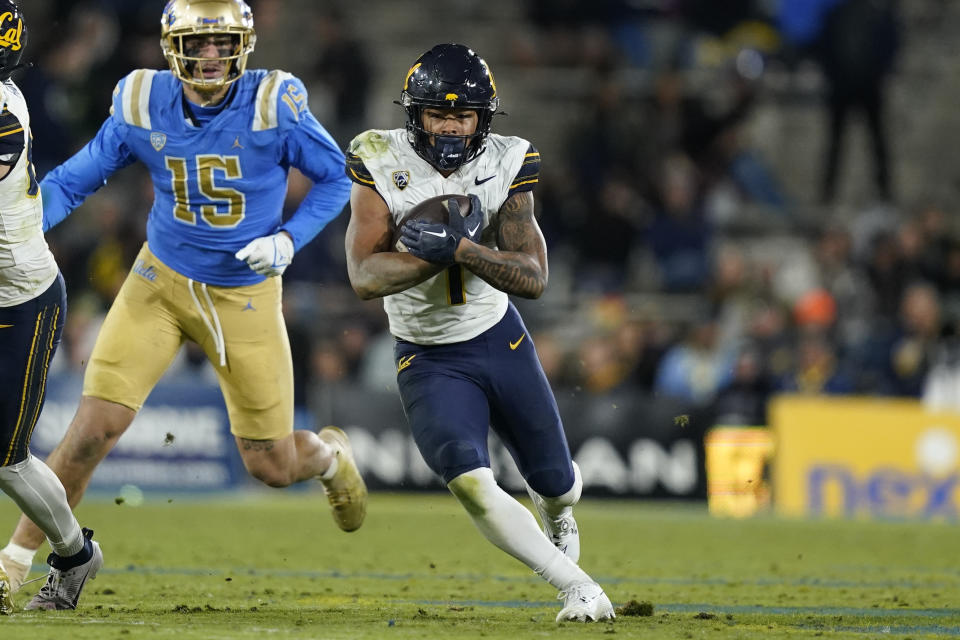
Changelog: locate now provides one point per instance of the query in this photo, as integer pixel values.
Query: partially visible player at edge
(218, 141)
(33, 302)
(465, 361)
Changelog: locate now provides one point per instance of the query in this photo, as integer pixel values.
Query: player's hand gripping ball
(432, 230)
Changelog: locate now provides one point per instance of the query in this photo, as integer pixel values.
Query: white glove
(269, 255)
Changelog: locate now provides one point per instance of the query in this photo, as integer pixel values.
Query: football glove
(435, 242)
(471, 225)
(430, 241)
(269, 255)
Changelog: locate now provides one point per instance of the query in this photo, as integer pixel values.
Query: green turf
(273, 565)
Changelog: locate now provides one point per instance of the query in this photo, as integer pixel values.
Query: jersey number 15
(206, 166)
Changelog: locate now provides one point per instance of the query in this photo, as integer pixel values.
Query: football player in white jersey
(33, 302)
(465, 362)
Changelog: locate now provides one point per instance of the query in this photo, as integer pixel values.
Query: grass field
(273, 565)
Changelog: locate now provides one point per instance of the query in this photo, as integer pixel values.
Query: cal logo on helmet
(13, 38)
(11, 29)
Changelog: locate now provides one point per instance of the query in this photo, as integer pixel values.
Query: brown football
(432, 210)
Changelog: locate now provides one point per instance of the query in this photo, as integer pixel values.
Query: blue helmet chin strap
(449, 152)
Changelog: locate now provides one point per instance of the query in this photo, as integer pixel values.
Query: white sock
(40, 495)
(20, 555)
(332, 469)
(511, 527)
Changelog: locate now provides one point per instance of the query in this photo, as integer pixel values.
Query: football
(431, 210)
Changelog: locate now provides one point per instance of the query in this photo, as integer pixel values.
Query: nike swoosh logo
(514, 345)
(474, 230)
(405, 362)
(434, 233)
(478, 181)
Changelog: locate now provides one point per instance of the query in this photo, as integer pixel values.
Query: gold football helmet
(187, 26)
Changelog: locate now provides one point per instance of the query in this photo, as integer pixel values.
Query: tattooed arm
(374, 269)
(520, 266)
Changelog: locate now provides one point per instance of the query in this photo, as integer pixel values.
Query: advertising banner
(179, 441)
(855, 457)
(625, 444)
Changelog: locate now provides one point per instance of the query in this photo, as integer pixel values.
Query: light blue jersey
(216, 186)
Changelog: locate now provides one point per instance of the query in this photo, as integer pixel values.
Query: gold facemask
(185, 19)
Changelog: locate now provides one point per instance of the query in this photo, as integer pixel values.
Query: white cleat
(16, 572)
(63, 587)
(585, 602)
(562, 530)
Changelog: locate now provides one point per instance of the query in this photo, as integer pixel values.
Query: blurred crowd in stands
(660, 280)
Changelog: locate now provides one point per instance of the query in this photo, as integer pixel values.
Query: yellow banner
(856, 457)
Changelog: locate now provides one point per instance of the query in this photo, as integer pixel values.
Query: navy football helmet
(13, 38)
(449, 76)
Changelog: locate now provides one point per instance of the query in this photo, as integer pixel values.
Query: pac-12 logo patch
(158, 140)
(401, 179)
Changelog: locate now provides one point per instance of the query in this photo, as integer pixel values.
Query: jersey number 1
(206, 166)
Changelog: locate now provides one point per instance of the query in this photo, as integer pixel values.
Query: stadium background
(700, 262)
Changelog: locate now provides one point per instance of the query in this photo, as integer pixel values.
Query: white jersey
(27, 267)
(455, 305)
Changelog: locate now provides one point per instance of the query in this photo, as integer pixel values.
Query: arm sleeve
(358, 172)
(312, 150)
(529, 172)
(12, 138)
(67, 186)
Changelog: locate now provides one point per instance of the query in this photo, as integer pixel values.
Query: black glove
(436, 242)
(471, 225)
(430, 241)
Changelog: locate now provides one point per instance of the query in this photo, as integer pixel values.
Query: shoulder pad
(281, 99)
(131, 98)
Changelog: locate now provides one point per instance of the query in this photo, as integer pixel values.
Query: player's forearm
(68, 185)
(512, 272)
(323, 203)
(382, 274)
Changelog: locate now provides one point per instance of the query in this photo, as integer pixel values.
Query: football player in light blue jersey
(218, 141)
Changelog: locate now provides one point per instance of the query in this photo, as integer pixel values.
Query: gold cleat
(346, 490)
(16, 573)
(6, 604)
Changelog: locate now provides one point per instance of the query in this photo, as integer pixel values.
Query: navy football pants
(452, 394)
(29, 335)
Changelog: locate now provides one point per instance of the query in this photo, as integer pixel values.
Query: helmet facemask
(445, 152)
(189, 27)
